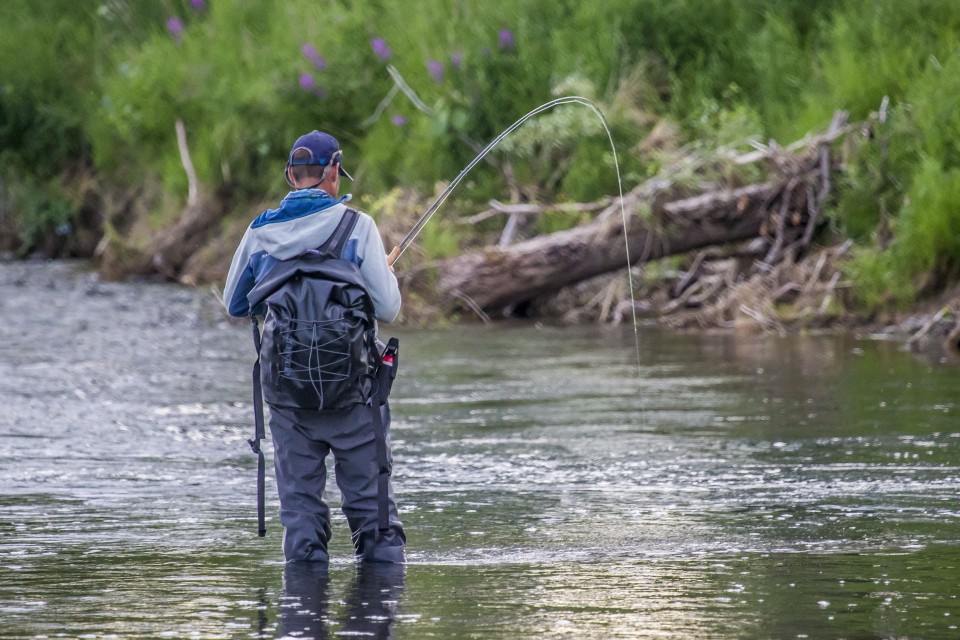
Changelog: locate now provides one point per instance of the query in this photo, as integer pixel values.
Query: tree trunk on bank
(783, 212)
(164, 254)
(501, 277)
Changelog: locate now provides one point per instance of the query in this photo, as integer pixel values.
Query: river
(551, 486)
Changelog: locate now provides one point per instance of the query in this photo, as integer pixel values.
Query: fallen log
(655, 223)
(504, 276)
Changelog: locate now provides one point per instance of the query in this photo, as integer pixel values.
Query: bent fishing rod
(432, 209)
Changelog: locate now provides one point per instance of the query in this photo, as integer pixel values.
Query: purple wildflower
(456, 59)
(198, 4)
(505, 40)
(321, 93)
(435, 67)
(310, 53)
(399, 121)
(307, 82)
(380, 48)
(175, 28)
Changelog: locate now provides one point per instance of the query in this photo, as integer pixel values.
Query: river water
(551, 486)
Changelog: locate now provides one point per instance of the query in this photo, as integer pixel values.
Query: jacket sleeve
(380, 280)
(240, 280)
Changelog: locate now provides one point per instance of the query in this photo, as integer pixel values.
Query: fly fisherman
(310, 217)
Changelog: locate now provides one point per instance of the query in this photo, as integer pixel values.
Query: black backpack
(318, 347)
(319, 350)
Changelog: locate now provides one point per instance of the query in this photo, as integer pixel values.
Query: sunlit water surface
(551, 486)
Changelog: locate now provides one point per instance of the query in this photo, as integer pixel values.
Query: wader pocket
(387, 370)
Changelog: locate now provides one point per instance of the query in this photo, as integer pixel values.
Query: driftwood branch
(498, 208)
(187, 163)
(503, 276)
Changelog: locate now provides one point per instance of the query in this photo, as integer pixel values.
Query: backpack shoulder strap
(338, 239)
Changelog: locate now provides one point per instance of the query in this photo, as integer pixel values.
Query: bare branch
(187, 163)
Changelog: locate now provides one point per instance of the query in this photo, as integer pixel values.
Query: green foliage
(871, 49)
(39, 211)
(926, 232)
(909, 183)
(925, 241)
(934, 107)
(877, 175)
(880, 284)
(235, 103)
(439, 240)
(43, 52)
(782, 70)
(725, 123)
(102, 84)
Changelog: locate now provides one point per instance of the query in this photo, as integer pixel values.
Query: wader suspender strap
(383, 381)
(383, 467)
(258, 433)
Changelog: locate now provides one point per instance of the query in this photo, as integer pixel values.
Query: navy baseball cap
(323, 149)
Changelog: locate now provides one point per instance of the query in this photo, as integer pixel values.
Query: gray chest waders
(383, 378)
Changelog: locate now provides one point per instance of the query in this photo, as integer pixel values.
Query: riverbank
(931, 329)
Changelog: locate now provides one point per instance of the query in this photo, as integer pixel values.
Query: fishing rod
(432, 209)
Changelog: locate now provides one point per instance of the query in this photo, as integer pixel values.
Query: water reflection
(369, 610)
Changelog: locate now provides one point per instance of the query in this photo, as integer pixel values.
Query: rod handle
(393, 256)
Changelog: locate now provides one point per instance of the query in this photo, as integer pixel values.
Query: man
(305, 219)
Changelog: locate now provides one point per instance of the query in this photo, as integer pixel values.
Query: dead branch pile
(737, 291)
(775, 278)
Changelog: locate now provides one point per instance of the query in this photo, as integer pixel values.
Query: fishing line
(432, 209)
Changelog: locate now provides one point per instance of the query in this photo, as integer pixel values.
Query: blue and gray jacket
(303, 221)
